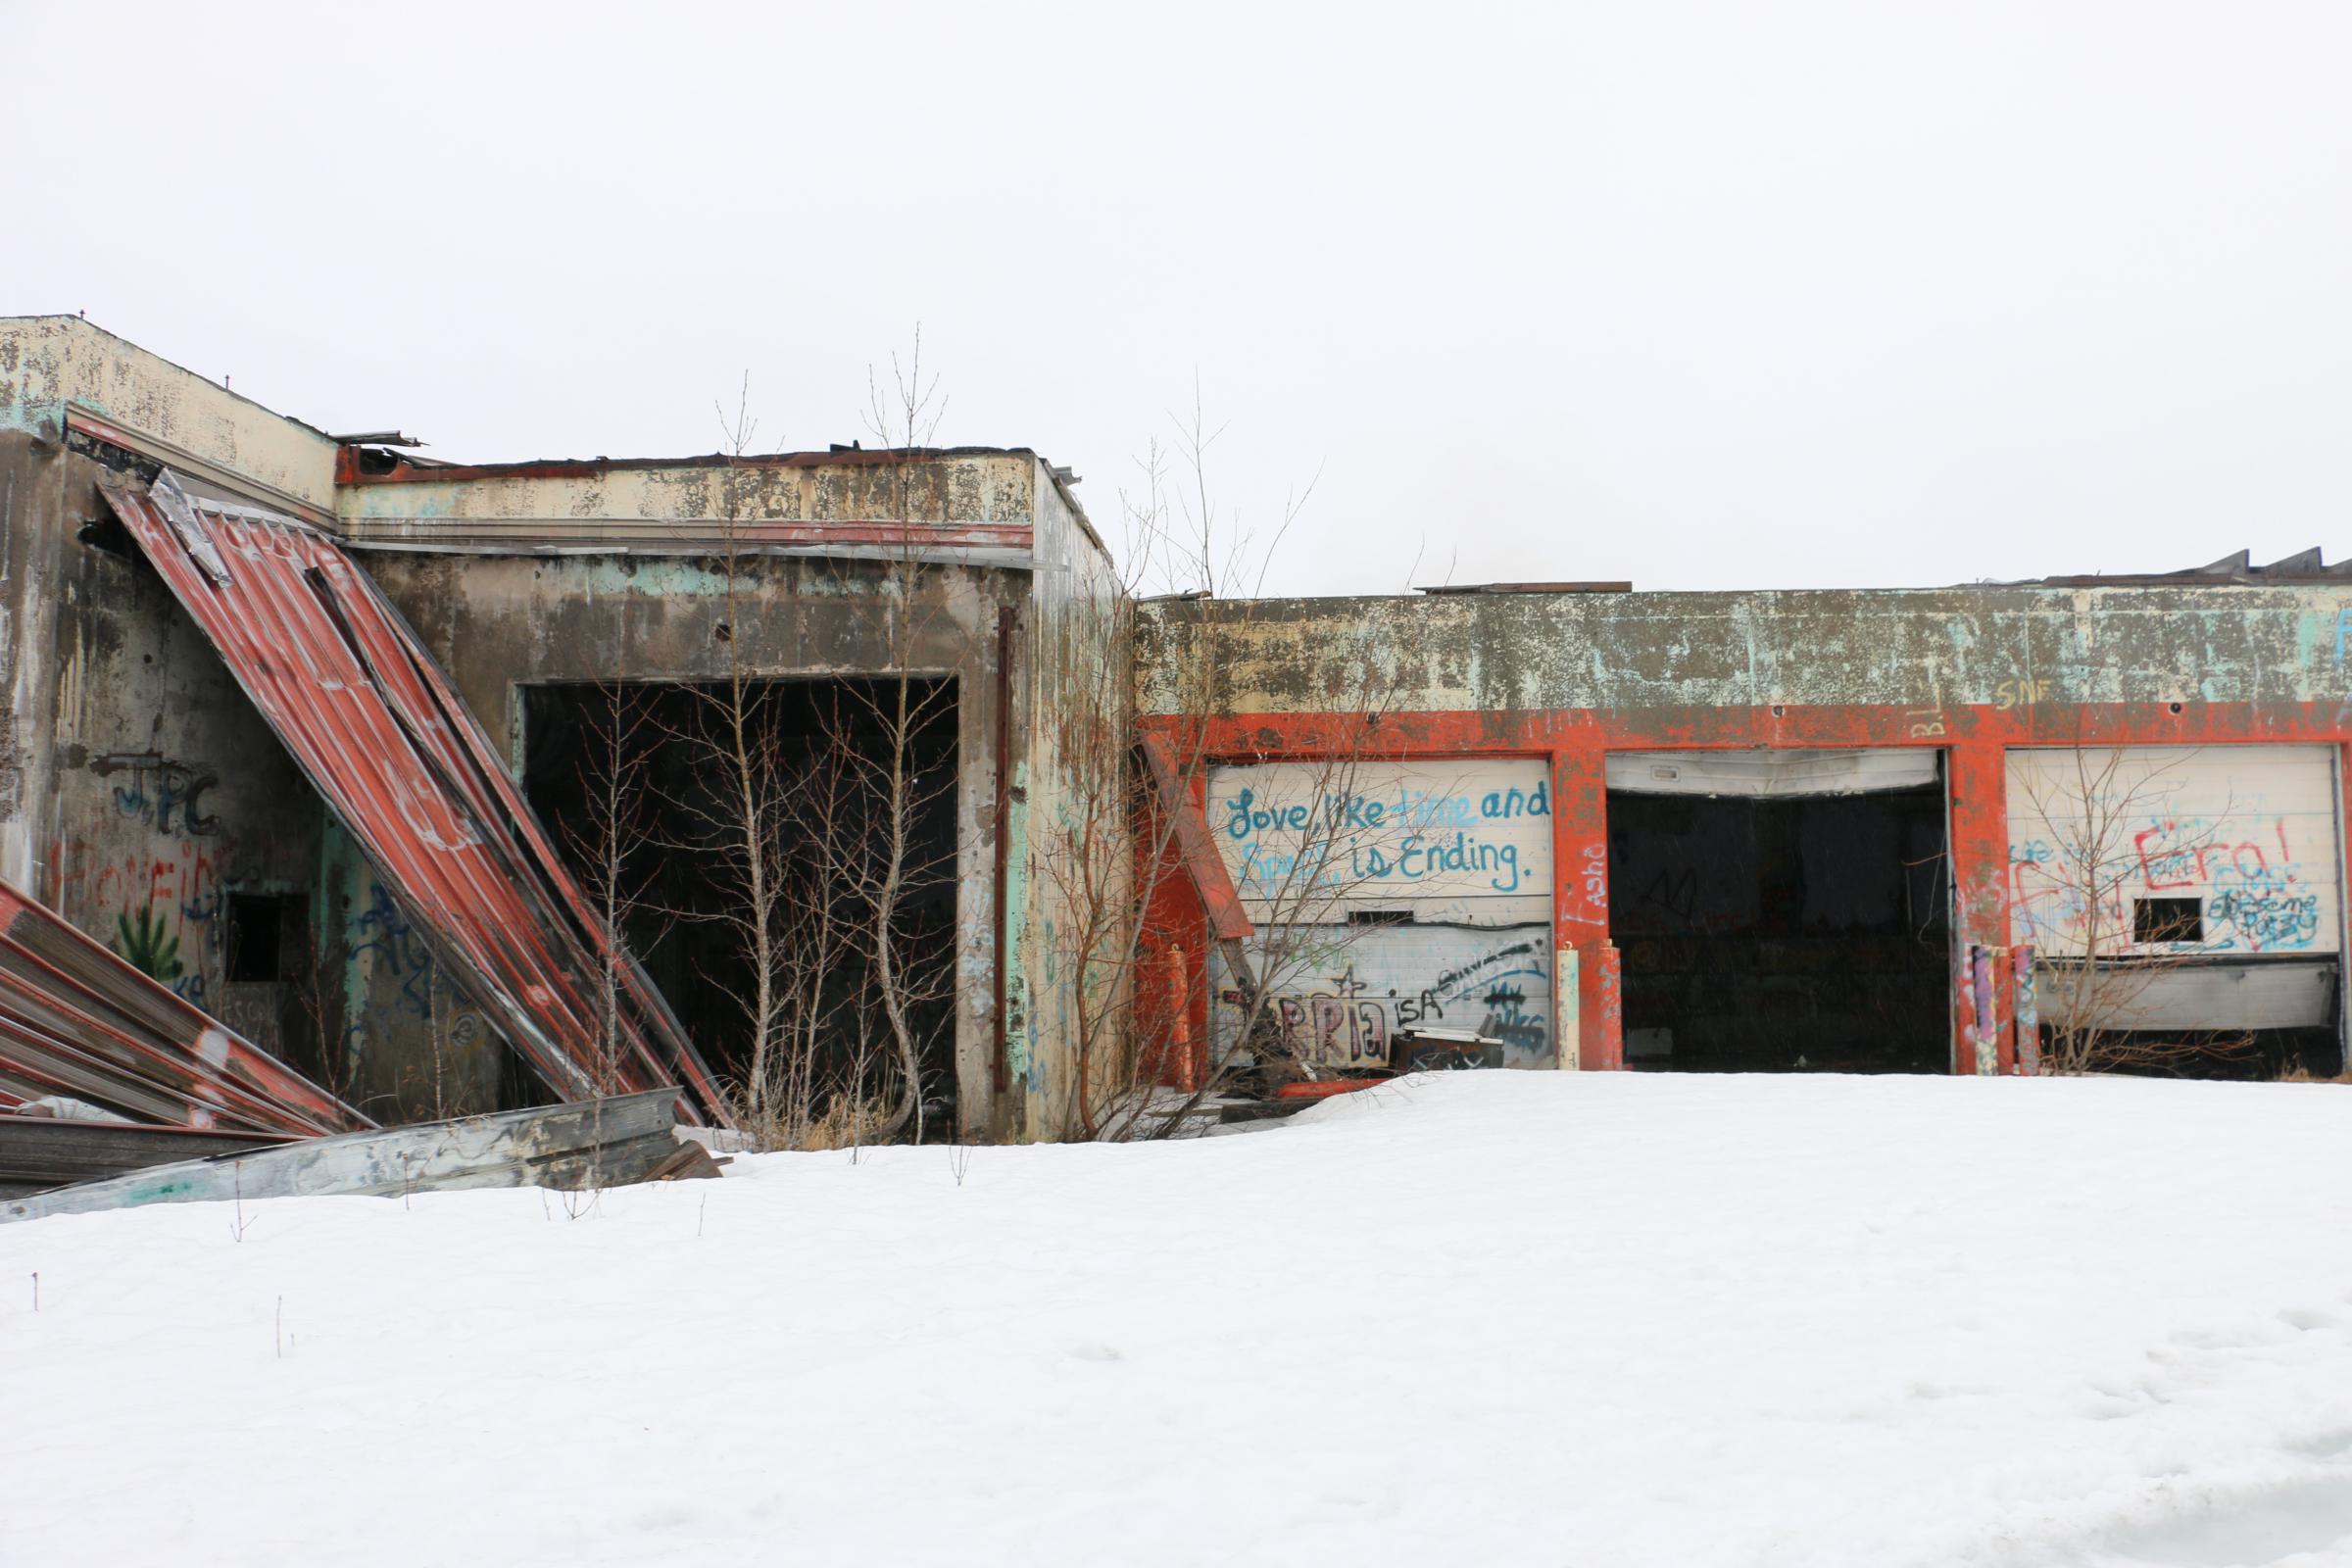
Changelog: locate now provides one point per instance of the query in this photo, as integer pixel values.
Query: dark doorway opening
(661, 761)
(1769, 935)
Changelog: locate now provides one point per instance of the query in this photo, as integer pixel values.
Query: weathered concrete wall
(51, 364)
(155, 791)
(414, 1047)
(1998, 647)
(35, 524)
(979, 501)
(139, 791)
(1071, 828)
(499, 623)
(978, 487)
(56, 368)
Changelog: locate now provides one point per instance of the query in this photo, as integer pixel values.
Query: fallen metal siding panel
(41, 1152)
(373, 720)
(76, 1019)
(599, 1141)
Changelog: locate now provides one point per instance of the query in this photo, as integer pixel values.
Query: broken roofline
(64, 379)
(426, 470)
(971, 505)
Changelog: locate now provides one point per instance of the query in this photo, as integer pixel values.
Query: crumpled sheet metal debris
(599, 1142)
(78, 1020)
(40, 1153)
(387, 741)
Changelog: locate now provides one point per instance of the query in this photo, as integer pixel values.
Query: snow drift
(1509, 1318)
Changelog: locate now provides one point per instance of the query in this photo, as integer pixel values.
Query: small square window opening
(2167, 920)
(265, 936)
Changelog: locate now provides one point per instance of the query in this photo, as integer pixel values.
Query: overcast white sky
(1706, 296)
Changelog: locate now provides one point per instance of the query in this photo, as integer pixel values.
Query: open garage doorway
(1781, 910)
(848, 787)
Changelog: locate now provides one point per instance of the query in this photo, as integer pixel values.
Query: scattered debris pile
(116, 1092)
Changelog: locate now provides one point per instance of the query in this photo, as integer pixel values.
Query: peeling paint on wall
(53, 365)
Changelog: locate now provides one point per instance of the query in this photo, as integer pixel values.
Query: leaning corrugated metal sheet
(78, 1020)
(376, 724)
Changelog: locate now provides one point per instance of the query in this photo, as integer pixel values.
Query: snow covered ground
(1506, 1318)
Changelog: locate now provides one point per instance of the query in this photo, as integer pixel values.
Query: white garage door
(2226, 856)
(2110, 846)
(1390, 895)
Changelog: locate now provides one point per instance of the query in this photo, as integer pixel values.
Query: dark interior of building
(2247, 1055)
(1765, 934)
(641, 787)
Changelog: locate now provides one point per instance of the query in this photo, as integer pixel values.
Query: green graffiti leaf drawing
(147, 946)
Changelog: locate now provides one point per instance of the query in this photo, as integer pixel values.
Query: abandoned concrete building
(1755, 831)
(458, 786)
(304, 728)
